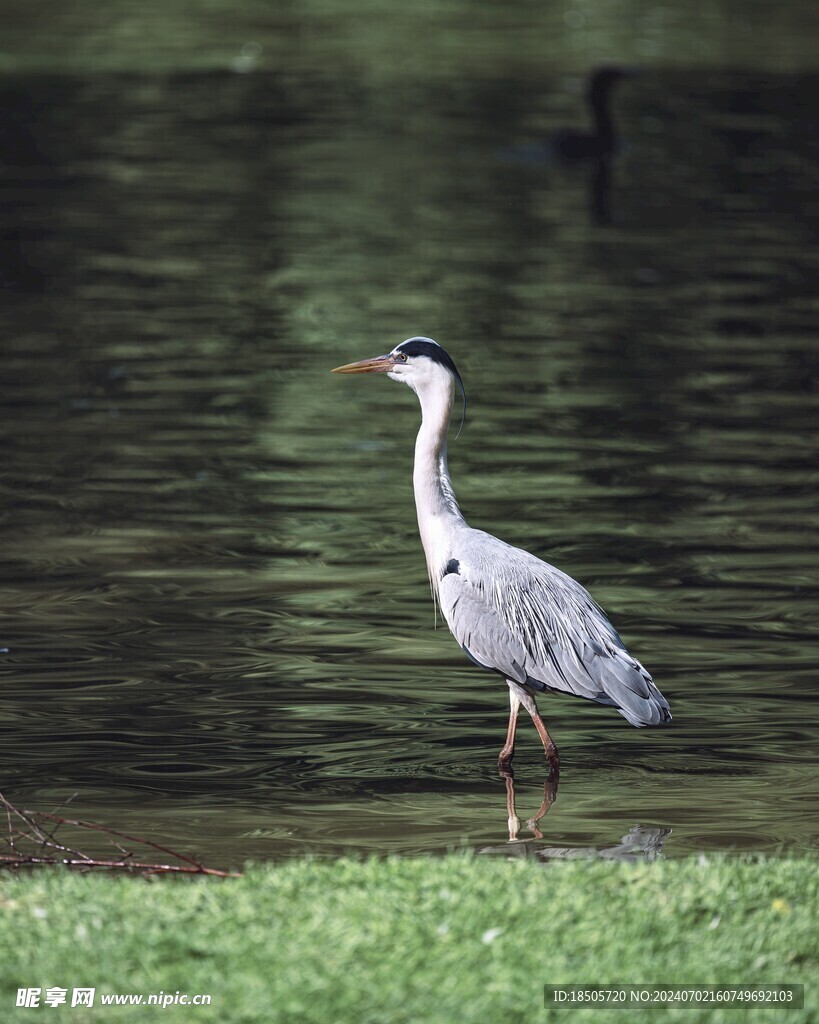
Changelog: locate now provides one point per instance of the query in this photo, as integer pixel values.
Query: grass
(457, 939)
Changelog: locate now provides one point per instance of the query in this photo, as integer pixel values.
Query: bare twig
(91, 862)
(49, 850)
(114, 832)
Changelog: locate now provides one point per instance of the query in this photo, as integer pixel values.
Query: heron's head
(420, 363)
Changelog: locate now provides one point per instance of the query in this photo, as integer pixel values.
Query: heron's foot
(532, 825)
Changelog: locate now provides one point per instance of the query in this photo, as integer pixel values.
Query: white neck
(435, 504)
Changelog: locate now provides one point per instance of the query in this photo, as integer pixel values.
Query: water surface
(214, 599)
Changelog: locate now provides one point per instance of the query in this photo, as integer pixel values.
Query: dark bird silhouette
(590, 152)
(569, 144)
(598, 147)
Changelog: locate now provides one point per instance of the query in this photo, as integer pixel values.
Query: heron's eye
(402, 356)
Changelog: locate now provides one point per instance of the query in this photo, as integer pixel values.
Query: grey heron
(511, 612)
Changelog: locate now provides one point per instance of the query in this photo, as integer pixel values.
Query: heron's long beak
(381, 364)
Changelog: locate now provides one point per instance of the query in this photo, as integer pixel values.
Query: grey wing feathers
(523, 618)
(478, 628)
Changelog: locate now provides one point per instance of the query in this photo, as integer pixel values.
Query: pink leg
(506, 754)
(549, 748)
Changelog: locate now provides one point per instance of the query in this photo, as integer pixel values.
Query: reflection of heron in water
(639, 843)
(549, 797)
(510, 612)
(595, 148)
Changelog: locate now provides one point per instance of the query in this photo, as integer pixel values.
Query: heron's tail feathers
(654, 712)
(628, 687)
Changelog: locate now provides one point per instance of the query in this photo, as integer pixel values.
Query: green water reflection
(214, 596)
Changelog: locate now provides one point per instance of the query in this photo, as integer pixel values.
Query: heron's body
(510, 611)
